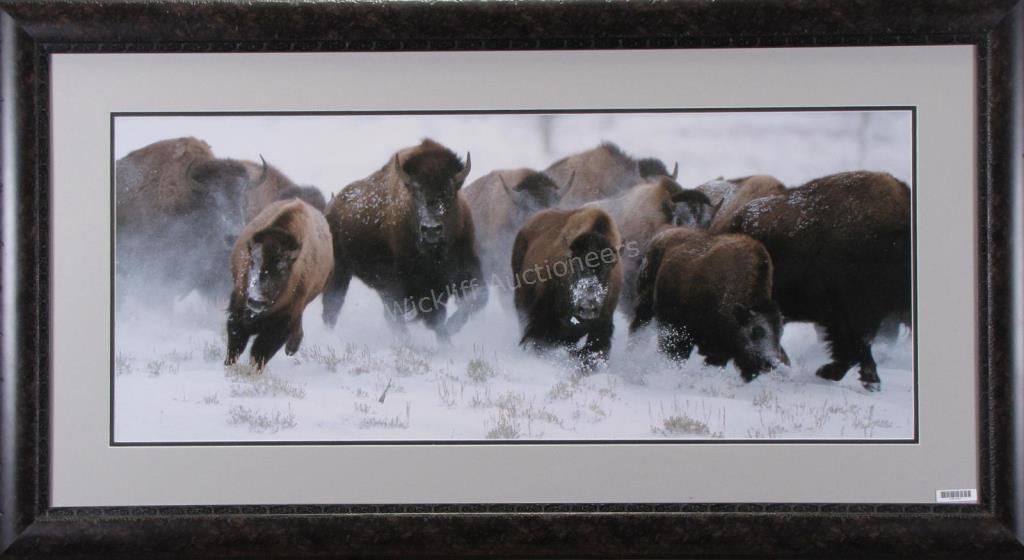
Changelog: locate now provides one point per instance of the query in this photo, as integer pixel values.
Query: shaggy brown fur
(170, 194)
(601, 172)
(290, 243)
(639, 213)
(842, 252)
(558, 256)
(407, 232)
(501, 202)
(151, 182)
(712, 292)
(740, 192)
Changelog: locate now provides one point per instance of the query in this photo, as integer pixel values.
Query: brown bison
(568, 277)
(841, 246)
(275, 185)
(501, 202)
(644, 209)
(280, 263)
(601, 172)
(407, 232)
(178, 210)
(732, 195)
(712, 292)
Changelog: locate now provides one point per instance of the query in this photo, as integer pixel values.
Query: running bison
(501, 202)
(568, 277)
(732, 195)
(643, 210)
(601, 172)
(178, 210)
(279, 264)
(712, 292)
(407, 233)
(842, 256)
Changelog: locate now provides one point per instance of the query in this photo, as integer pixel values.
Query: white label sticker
(956, 496)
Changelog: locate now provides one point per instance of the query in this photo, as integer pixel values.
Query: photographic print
(600, 276)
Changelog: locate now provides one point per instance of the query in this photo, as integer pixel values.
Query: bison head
(534, 193)
(759, 332)
(690, 208)
(219, 193)
(272, 252)
(592, 263)
(432, 175)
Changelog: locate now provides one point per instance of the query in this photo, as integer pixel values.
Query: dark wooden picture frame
(30, 527)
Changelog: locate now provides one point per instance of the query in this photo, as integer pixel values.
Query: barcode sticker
(956, 496)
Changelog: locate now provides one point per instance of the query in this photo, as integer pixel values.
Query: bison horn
(572, 178)
(406, 179)
(675, 171)
(263, 172)
(460, 177)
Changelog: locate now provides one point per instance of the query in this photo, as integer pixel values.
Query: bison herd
(717, 268)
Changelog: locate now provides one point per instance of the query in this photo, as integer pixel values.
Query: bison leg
(334, 295)
(868, 370)
(268, 342)
(238, 338)
(295, 338)
(434, 319)
(675, 342)
(394, 316)
(472, 297)
(849, 348)
(595, 350)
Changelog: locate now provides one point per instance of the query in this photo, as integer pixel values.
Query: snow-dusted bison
(644, 209)
(841, 246)
(501, 202)
(568, 277)
(178, 209)
(407, 232)
(280, 263)
(712, 292)
(732, 195)
(601, 172)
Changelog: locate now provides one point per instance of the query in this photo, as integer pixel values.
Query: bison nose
(432, 233)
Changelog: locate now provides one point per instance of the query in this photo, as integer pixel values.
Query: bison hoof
(832, 372)
(872, 386)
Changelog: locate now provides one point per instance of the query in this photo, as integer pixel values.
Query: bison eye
(757, 333)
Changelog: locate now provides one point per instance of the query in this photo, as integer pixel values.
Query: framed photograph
(648, 280)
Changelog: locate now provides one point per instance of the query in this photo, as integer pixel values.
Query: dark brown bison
(178, 210)
(644, 209)
(568, 277)
(501, 202)
(732, 195)
(272, 185)
(712, 292)
(280, 263)
(601, 172)
(407, 232)
(842, 253)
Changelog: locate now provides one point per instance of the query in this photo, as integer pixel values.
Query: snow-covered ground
(359, 383)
